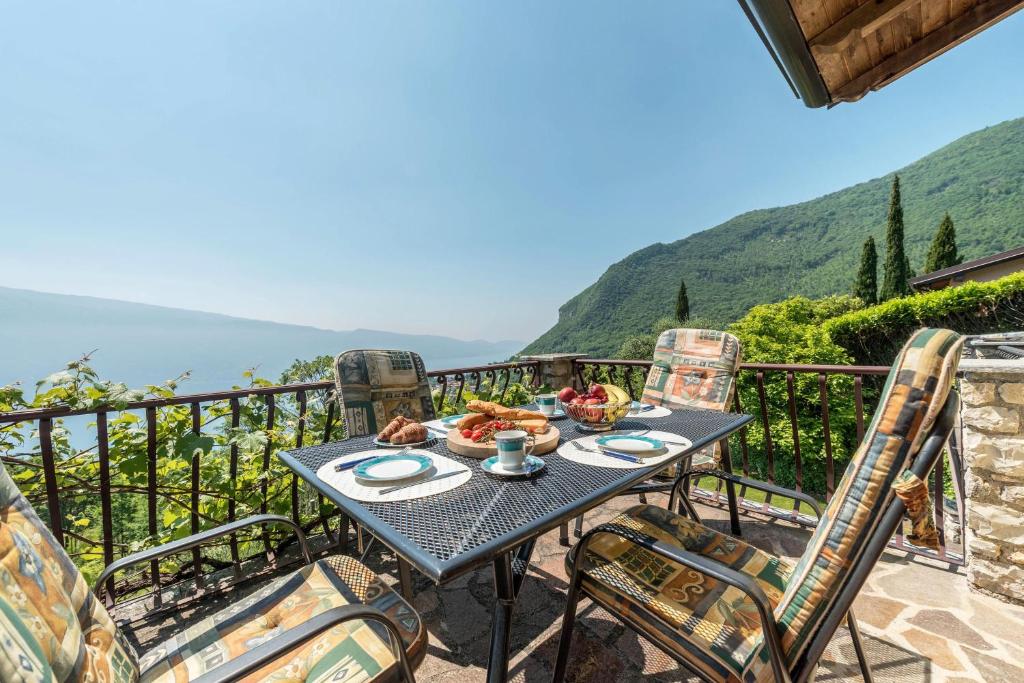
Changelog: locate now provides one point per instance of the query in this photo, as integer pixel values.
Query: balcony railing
(137, 469)
(132, 456)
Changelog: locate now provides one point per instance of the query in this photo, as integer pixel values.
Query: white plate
(394, 467)
(636, 445)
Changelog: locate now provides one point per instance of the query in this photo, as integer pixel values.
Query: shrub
(791, 332)
(873, 336)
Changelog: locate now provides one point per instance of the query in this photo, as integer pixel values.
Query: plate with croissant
(402, 432)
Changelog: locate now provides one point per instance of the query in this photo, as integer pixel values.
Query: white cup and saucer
(514, 459)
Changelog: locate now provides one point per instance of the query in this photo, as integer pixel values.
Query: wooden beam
(859, 24)
(976, 19)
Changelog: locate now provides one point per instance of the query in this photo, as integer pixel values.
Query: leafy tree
(682, 302)
(866, 286)
(943, 253)
(897, 266)
(792, 332)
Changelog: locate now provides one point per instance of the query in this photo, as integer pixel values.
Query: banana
(615, 394)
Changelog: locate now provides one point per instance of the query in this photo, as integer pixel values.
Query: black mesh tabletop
(447, 534)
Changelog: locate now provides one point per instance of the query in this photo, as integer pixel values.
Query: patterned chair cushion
(374, 387)
(345, 653)
(47, 611)
(913, 396)
(713, 627)
(694, 369)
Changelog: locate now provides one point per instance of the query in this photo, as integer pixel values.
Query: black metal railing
(784, 414)
(132, 458)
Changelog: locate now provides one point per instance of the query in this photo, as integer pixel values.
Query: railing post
(557, 370)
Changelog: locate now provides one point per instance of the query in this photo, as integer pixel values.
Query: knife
(392, 489)
(342, 466)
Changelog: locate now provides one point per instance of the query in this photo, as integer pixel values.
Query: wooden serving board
(460, 445)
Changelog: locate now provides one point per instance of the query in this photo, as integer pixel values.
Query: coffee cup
(511, 446)
(546, 403)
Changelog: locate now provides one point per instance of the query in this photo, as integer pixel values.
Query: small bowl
(600, 417)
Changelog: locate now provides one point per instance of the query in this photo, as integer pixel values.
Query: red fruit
(578, 401)
(476, 436)
(567, 394)
(597, 390)
(467, 433)
(592, 402)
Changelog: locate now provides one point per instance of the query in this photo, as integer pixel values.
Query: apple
(577, 401)
(567, 394)
(592, 402)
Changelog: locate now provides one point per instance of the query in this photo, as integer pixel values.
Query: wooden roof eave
(779, 30)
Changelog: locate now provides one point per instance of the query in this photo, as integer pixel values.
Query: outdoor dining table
(490, 520)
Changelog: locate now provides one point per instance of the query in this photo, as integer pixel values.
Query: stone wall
(992, 392)
(557, 370)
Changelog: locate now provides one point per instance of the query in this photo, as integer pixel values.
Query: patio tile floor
(919, 619)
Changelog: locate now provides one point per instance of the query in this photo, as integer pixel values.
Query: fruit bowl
(598, 408)
(597, 417)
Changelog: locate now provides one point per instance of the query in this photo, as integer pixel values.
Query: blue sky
(460, 168)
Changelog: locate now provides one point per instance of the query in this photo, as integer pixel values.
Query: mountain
(140, 344)
(811, 248)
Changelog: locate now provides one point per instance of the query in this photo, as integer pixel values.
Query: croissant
(393, 427)
(413, 432)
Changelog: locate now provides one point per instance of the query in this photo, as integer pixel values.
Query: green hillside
(810, 248)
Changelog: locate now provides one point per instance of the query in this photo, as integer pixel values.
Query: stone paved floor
(920, 621)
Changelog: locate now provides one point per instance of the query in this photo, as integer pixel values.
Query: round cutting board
(460, 445)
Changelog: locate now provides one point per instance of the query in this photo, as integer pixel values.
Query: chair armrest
(260, 655)
(774, 489)
(709, 567)
(196, 540)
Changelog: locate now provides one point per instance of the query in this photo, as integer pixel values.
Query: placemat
(347, 484)
(656, 411)
(570, 452)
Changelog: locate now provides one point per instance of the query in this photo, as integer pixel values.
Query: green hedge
(874, 335)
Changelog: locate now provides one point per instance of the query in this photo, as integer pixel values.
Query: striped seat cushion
(374, 387)
(913, 396)
(693, 369)
(51, 625)
(713, 627)
(345, 653)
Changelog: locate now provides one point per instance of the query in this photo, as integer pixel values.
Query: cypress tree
(682, 302)
(942, 253)
(897, 266)
(866, 286)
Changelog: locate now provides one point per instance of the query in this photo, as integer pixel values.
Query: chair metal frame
(838, 609)
(267, 652)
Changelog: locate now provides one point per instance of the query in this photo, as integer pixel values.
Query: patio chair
(691, 369)
(333, 619)
(374, 387)
(730, 612)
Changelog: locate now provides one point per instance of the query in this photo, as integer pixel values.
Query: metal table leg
(509, 573)
(730, 489)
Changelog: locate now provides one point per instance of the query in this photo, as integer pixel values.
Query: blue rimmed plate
(531, 465)
(557, 415)
(634, 445)
(450, 421)
(393, 467)
(388, 444)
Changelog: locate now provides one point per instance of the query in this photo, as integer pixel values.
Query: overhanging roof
(833, 51)
(967, 267)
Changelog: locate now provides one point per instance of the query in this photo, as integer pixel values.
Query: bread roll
(413, 432)
(472, 420)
